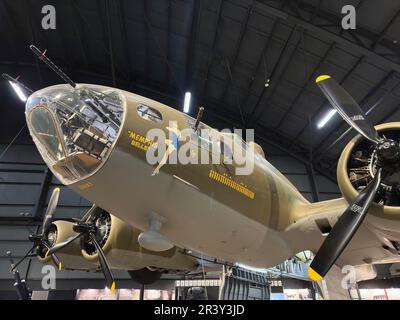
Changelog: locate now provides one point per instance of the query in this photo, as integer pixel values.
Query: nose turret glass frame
(74, 129)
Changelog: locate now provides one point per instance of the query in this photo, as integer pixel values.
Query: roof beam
(163, 54)
(101, 21)
(315, 11)
(167, 55)
(385, 30)
(262, 56)
(124, 34)
(239, 107)
(109, 38)
(390, 113)
(359, 31)
(196, 11)
(232, 62)
(325, 34)
(283, 62)
(148, 31)
(303, 89)
(78, 30)
(33, 40)
(211, 54)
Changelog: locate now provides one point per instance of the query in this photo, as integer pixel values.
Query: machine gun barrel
(20, 284)
(42, 56)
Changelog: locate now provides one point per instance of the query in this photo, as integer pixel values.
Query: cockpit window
(74, 128)
(46, 132)
(149, 113)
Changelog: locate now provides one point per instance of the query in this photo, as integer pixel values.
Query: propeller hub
(388, 151)
(101, 223)
(84, 228)
(36, 238)
(51, 235)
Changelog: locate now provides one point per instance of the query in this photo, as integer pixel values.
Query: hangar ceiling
(224, 52)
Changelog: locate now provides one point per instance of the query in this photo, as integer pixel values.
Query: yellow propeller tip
(57, 189)
(59, 266)
(314, 275)
(321, 78)
(113, 287)
(47, 253)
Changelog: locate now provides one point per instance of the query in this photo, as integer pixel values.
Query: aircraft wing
(374, 243)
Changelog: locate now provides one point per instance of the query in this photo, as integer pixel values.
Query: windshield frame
(57, 129)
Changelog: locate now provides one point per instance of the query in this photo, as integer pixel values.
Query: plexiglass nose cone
(74, 129)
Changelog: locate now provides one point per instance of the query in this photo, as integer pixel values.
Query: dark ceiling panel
(369, 74)
(374, 15)
(250, 50)
(261, 23)
(290, 126)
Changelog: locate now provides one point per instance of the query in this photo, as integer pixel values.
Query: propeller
(387, 154)
(103, 263)
(347, 107)
(87, 227)
(63, 244)
(39, 240)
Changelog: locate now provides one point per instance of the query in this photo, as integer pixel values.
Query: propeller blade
(63, 244)
(22, 259)
(54, 257)
(347, 107)
(103, 263)
(51, 208)
(344, 230)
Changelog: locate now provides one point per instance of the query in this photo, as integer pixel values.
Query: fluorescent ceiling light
(18, 90)
(186, 104)
(326, 118)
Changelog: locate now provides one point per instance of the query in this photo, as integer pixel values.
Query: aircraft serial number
(218, 309)
(230, 310)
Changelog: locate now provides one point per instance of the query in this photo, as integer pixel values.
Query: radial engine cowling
(71, 255)
(357, 167)
(119, 242)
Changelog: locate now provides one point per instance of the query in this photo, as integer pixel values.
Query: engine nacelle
(119, 241)
(71, 255)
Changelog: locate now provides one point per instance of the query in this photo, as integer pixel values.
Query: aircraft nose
(74, 128)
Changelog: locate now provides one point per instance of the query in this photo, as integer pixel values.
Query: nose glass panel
(74, 129)
(46, 132)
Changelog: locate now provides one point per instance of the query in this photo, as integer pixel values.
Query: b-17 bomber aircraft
(95, 139)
